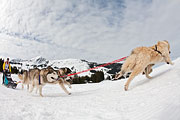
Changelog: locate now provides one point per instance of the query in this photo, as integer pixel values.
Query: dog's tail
(129, 64)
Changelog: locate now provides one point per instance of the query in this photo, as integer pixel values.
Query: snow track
(154, 99)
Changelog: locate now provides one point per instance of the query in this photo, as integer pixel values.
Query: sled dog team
(139, 61)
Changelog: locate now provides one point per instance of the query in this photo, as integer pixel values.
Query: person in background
(6, 68)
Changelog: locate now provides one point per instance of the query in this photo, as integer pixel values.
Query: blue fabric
(5, 80)
(39, 79)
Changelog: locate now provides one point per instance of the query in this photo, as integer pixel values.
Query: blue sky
(96, 30)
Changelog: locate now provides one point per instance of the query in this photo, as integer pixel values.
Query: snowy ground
(155, 99)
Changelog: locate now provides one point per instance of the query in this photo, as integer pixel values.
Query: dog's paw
(41, 95)
(149, 77)
(172, 63)
(125, 87)
(114, 79)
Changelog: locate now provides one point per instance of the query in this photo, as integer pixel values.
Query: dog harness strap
(157, 50)
(39, 79)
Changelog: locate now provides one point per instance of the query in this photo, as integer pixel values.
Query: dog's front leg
(65, 90)
(147, 75)
(67, 83)
(148, 70)
(27, 86)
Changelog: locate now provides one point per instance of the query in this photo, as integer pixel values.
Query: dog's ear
(61, 71)
(168, 44)
(166, 41)
(159, 42)
(162, 43)
(68, 71)
(65, 70)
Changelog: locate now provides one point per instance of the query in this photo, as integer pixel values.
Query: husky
(51, 76)
(142, 59)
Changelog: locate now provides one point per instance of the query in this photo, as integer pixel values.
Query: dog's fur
(142, 59)
(24, 79)
(27, 76)
(46, 75)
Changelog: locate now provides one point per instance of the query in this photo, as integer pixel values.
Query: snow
(74, 64)
(147, 99)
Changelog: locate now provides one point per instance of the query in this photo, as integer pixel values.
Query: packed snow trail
(146, 99)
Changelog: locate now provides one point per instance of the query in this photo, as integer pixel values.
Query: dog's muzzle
(167, 62)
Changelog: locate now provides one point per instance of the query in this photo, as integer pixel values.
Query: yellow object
(4, 66)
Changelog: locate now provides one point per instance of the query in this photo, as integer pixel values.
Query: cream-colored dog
(142, 59)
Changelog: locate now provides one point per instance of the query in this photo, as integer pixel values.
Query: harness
(43, 77)
(39, 79)
(61, 77)
(157, 50)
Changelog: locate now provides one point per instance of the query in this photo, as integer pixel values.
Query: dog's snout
(167, 62)
(169, 52)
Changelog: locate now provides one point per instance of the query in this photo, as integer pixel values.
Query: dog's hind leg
(40, 90)
(120, 74)
(65, 90)
(134, 73)
(31, 88)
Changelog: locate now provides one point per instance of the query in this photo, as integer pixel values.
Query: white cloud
(100, 30)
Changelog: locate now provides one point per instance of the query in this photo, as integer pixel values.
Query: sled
(8, 82)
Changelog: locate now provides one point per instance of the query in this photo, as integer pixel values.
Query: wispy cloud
(101, 30)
